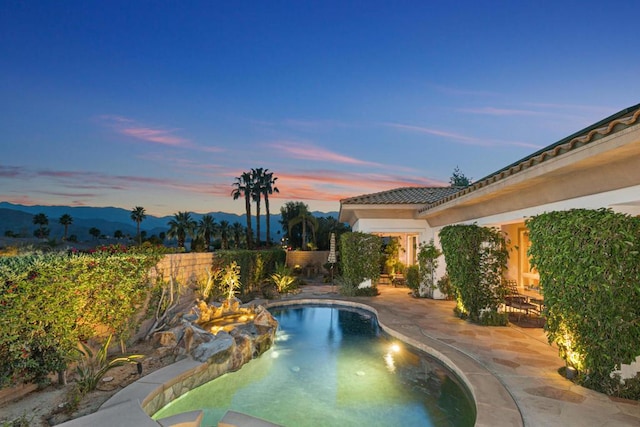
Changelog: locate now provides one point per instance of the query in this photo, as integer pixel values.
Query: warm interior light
(395, 348)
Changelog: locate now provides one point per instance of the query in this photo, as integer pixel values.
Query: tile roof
(403, 196)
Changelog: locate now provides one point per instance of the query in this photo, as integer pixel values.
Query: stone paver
(519, 358)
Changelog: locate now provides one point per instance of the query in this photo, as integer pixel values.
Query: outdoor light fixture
(571, 372)
(395, 348)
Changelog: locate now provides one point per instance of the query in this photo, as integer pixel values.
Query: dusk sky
(161, 104)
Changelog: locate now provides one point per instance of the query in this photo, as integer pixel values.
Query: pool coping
(135, 404)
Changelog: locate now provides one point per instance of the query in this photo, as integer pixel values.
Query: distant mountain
(19, 220)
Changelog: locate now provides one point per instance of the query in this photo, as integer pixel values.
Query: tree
(180, 227)
(224, 230)
(268, 187)
(238, 231)
(458, 179)
(41, 221)
(65, 220)
(289, 211)
(257, 181)
(138, 215)
(305, 218)
(206, 228)
(95, 232)
(118, 234)
(244, 187)
(326, 226)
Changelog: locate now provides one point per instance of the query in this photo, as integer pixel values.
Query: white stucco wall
(391, 225)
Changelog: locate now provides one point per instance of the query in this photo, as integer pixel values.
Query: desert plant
(93, 366)
(21, 421)
(230, 280)
(213, 276)
(283, 278)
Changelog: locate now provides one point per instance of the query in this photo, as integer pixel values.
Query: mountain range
(18, 219)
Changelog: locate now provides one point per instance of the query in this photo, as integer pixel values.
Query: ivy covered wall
(589, 266)
(476, 259)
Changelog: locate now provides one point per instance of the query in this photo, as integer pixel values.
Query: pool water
(334, 367)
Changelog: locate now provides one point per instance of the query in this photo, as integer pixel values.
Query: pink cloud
(158, 136)
(438, 132)
(132, 128)
(311, 152)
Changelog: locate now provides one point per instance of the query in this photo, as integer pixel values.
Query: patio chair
(515, 300)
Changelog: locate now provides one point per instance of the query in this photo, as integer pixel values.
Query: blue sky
(161, 104)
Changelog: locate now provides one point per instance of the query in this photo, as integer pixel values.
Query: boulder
(216, 350)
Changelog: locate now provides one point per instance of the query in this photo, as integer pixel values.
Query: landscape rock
(218, 349)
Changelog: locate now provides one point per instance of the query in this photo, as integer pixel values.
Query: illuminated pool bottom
(333, 366)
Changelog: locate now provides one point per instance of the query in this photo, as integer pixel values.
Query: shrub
(255, 266)
(412, 276)
(589, 274)
(360, 260)
(51, 301)
(476, 259)
(93, 366)
(444, 286)
(283, 278)
(428, 263)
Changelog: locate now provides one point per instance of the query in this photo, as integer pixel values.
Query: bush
(428, 256)
(255, 266)
(283, 279)
(51, 301)
(589, 274)
(412, 276)
(444, 286)
(476, 259)
(360, 260)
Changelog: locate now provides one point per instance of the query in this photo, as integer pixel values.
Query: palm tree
(65, 220)
(268, 187)
(305, 218)
(95, 232)
(206, 228)
(180, 226)
(41, 221)
(238, 230)
(224, 230)
(257, 181)
(244, 186)
(138, 215)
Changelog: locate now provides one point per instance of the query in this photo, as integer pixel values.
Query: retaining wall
(186, 269)
(311, 262)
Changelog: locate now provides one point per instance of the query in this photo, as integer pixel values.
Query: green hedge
(590, 275)
(360, 257)
(476, 260)
(50, 302)
(255, 266)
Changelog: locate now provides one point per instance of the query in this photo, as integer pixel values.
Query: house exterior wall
(391, 226)
(624, 200)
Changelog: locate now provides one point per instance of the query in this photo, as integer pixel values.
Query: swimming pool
(334, 366)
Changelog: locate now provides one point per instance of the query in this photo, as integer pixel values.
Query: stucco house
(596, 167)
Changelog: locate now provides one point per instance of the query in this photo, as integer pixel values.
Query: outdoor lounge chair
(515, 300)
